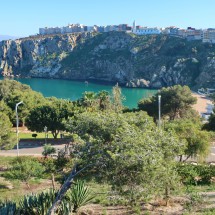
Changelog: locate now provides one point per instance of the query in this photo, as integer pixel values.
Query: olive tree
(126, 151)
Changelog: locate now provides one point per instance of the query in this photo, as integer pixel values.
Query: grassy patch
(5, 161)
(204, 188)
(29, 135)
(39, 135)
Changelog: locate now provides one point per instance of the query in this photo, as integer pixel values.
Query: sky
(25, 17)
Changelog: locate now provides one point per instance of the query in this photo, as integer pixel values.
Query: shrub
(48, 149)
(34, 135)
(24, 168)
(196, 174)
(79, 195)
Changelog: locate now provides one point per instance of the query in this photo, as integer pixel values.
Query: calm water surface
(73, 90)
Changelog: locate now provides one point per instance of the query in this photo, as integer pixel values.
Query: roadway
(37, 149)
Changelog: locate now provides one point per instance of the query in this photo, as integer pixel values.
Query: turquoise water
(73, 90)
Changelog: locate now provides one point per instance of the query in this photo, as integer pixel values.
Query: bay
(73, 90)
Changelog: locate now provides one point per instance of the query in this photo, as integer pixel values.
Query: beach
(203, 105)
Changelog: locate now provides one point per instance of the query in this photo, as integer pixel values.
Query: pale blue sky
(24, 17)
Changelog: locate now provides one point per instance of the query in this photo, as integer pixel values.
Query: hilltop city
(206, 35)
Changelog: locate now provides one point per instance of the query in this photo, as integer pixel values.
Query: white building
(208, 36)
(134, 27)
(147, 31)
(44, 31)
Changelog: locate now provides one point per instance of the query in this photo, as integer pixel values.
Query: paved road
(36, 150)
(28, 150)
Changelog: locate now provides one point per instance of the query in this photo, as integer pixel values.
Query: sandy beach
(203, 105)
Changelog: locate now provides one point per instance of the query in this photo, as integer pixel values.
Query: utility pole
(159, 111)
(17, 125)
(45, 130)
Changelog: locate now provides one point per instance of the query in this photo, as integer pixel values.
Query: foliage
(195, 198)
(176, 101)
(187, 173)
(8, 208)
(39, 204)
(24, 168)
(206, 173)
(92, 101)
(89, 100)
(51, 116)
(79, 195)
(34, 135)
(196, 174)
(49, 164)
(48, 149)
(117, 98)
(12, 92)
(5, 109)
(122, 149)
(189, 132)
(210, 125)
(7, 139)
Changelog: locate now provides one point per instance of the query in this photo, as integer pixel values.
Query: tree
(125, 150)
(51, 115)
(210, 125)
(92, 101)
(5, 109)
(89, 100)
(12, 92)
(197, 141)
(24, 168)
(117, 98)
(176, 101)
(104, 100)
(7, 139)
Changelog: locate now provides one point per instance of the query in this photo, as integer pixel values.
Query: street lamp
(17, 125)
(159, 111)
(45, 130)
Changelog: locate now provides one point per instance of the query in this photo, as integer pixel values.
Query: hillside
(134, 61)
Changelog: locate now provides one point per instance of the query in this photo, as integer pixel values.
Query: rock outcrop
(134, 61)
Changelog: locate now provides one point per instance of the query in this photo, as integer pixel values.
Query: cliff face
(135, 61)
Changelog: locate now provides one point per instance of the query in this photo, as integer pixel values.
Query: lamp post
(17, 125)
(159, 111)
(45, 130)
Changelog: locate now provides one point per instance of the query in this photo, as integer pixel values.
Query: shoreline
(204, 104)
(89, 80)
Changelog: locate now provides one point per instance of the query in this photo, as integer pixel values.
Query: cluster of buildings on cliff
(206, 35)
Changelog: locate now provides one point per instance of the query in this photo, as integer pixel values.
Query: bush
(187, 173)
(205, 172)
(196, 174)
(48, 149)
(24, 168)
(35, 204)
(34, 135)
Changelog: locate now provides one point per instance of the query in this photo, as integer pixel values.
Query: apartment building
(208, 35)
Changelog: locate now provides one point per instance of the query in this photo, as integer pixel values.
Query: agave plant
(79, 195)
(37, 204)
(8, 208)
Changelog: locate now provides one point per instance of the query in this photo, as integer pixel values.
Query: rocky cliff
(135, 61)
